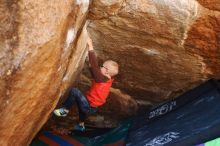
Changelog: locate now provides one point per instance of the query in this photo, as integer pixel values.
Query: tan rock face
(41, 54)
(204, 40)
(163, 47)
(210, 4)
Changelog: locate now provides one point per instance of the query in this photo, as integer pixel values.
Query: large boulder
(163, 47)
(42, 51)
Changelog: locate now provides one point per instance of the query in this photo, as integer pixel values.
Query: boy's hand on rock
(89, 42)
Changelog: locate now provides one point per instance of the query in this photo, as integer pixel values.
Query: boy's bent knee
(75, 91)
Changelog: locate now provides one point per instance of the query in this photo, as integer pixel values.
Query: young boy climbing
(97, 94)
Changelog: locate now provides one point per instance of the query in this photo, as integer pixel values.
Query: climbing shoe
(61, 112)
(79, 128)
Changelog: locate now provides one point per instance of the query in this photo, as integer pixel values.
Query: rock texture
(42, 50)
(210, 4)
(164, 47)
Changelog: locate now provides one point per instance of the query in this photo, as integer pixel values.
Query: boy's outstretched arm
(98, 76)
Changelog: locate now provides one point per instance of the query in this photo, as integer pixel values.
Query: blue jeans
(76, 96)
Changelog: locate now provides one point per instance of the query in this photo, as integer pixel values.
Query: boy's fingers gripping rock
(89, 42)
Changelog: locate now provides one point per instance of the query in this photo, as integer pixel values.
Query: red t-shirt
(98, 93)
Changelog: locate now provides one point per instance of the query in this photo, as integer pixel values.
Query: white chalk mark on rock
(85, 5)
(150, 52)
(71, 34)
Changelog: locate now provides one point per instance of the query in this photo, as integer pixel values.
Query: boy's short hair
(113, 67)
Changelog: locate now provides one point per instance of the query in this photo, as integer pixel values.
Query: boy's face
(104, 68)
